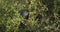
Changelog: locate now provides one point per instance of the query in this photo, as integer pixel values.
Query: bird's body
(25, 14)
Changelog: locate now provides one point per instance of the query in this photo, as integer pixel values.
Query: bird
(25, 14)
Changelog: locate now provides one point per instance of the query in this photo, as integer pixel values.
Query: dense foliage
(29, 15)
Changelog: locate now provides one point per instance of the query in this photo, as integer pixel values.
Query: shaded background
(29, 15)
